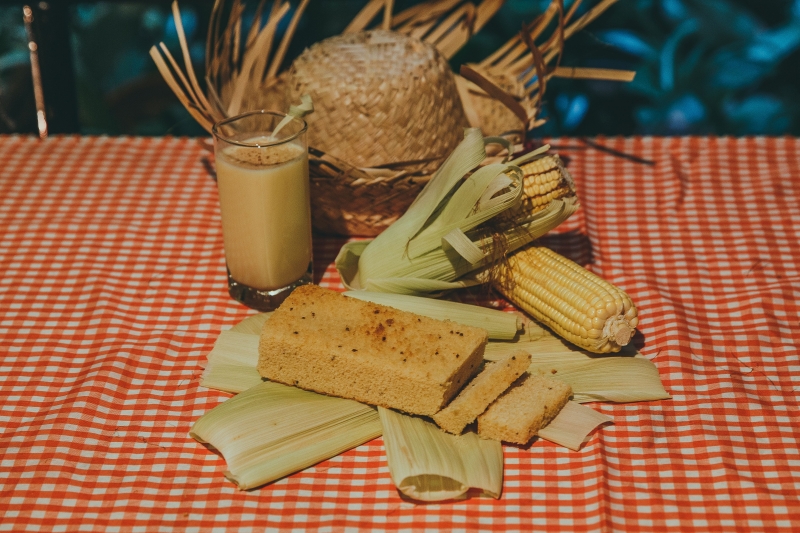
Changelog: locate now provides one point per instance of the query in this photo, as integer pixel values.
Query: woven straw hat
(380, 98)
(386, 113)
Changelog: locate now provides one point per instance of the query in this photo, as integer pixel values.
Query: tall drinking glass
(264, 199)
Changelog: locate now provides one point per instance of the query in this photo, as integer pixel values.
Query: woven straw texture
(114, 290)
(272, 97)
(346, 200)
(491, 116)
(379, 98)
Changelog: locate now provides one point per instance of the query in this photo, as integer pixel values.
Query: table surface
(113, 291)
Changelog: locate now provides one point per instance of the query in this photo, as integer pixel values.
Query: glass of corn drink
(263, 186)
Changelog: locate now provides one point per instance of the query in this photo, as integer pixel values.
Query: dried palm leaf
(515, 76)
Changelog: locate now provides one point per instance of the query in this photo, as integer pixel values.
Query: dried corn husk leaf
(428, 464)
(252, 324)
(623, 377)
(614, 379)
(571, 427)
(499, 325)
(232, 362)
(271, 430)
(232, 378)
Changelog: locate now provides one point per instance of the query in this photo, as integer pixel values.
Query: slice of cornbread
(482, 391)
(322, 341)
(530, 404)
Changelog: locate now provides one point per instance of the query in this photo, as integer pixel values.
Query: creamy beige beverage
(266, 217)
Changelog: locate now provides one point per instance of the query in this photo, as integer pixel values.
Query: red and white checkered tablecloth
(113, 290)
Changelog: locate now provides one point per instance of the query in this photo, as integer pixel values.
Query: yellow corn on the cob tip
(576, 304)
(544, 179)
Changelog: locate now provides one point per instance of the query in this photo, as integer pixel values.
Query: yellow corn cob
(544, 179)
(576, 304)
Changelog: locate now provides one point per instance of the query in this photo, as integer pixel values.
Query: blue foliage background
(703, 66)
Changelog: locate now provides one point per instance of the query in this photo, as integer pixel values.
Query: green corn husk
(428, 464)
(443, 241)
(499, 325)
(623, 377)
(252, 324)
(232, 363)
(272, 430)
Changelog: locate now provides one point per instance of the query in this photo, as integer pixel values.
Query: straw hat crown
(380, 97)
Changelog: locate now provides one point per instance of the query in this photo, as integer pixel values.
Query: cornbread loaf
(493, 380)
(529, 405)
(322, 341)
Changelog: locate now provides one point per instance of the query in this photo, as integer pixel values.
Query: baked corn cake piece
(479, 393)
(529, 405)
(322, 341)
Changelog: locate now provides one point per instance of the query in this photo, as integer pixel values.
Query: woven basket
(346, 200)
(388, 109)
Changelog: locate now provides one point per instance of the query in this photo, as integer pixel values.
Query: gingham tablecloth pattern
(113, 291)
